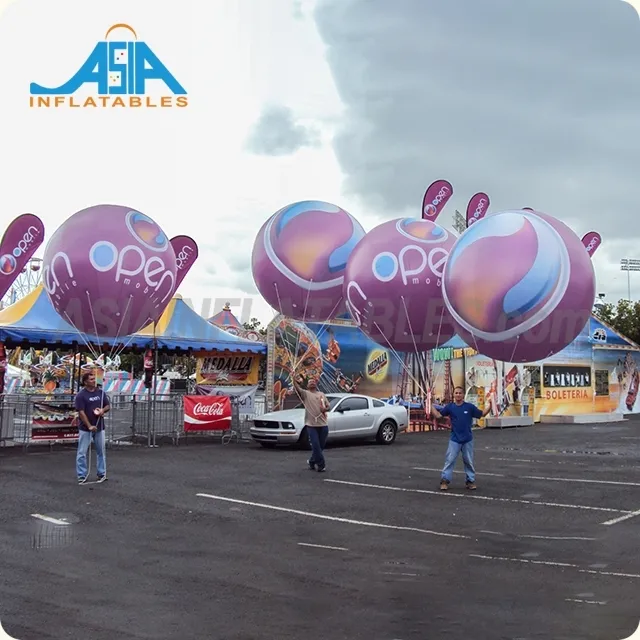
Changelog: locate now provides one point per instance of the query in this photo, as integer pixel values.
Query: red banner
(207, 413)
(592, 241)
(19, 242)
(477, 208)
(186, 251)
(435, 197)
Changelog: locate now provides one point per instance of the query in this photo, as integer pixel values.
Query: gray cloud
(536, 103)
(276, 133)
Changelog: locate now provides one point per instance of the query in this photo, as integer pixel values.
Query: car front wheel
(387, 432)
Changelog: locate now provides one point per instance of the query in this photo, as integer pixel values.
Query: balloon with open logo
(299, 257)
(519, 285)
(109, 270)
(393, 284)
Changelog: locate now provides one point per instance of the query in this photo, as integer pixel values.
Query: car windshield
(333, 400)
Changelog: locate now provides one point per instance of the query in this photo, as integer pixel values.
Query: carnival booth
(599, 372)
(230, 374)
(49, 349)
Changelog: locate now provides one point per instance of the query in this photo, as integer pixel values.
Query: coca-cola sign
(214, 409)
(207, 413)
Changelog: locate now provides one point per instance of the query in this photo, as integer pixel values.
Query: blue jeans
(453, 451)
(317, 440)
(84, 440)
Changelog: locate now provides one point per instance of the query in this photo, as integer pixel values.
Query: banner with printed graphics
(592, 241)
(207, 413)
(186, 250)
(477, 208)
(435, 198)
(243, 396)
(20, 241)
(223, 368)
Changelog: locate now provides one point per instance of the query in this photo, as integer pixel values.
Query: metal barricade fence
(132, 419)
(141, 419)
(16, 411)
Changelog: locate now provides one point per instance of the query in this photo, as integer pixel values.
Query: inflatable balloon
(299, 258)
(393, 284)
(109, 270)
(519, 285)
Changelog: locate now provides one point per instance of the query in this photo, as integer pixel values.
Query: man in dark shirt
(461, 414)
(91, 404)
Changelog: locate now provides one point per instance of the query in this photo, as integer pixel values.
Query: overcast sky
(358, 102)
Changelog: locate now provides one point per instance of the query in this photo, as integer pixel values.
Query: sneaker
(102, 479)
(321, 469)
(444, 485)
(81, 480)
(312, 465)
(471, 486)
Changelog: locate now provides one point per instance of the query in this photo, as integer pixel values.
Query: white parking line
(498, 533)
(39, 516)
(557, 538)
(584, 601)
(321, 546)
(562, 565)
(495, 475)
(582, 480)
(320, 516)
(477, 497)
(502, 475)
(629, 515)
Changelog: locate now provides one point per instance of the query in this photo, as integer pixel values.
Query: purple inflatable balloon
(109, 271)
(519, 285)
(299, 258)
(393, 286)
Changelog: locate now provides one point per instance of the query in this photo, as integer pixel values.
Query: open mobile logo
(119, 71)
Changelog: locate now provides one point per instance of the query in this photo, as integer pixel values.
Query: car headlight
(288, 425)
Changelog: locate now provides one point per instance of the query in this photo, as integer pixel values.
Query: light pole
(629, 265)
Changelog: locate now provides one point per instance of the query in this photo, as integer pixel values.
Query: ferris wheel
(28, 279)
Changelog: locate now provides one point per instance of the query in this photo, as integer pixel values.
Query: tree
(255, 325)
(132, 362)
(624, 317)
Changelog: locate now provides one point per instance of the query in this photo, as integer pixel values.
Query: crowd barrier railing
(29, 419)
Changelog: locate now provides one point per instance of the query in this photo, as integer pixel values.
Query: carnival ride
(29, 278)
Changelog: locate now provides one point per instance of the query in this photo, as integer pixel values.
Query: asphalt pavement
(236, 542)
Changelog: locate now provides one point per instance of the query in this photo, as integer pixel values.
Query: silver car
(350, 416)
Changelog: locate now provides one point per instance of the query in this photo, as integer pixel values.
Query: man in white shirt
(316, 406)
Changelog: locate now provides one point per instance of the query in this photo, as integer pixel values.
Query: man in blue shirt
(91, 404)
(461, 414)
